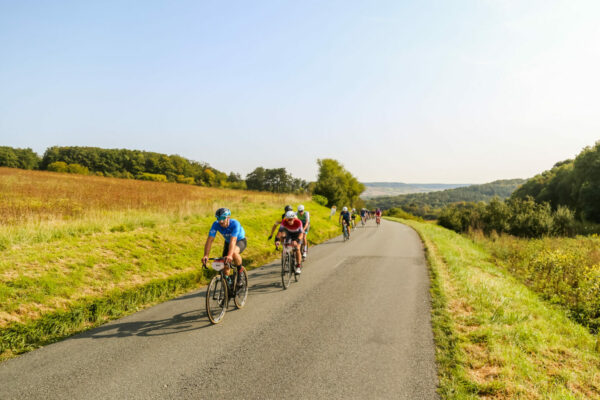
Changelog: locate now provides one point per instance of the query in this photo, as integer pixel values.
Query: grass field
(78, 251)
(496, 338)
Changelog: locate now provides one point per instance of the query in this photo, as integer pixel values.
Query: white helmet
(345, 209)
(290, 214)
(300, 208)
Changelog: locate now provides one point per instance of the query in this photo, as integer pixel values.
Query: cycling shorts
(241, 244)
(295, 236)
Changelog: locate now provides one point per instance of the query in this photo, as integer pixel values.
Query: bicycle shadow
(183, 322)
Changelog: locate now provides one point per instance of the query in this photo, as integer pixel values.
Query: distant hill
(428, 205)
(377, 189)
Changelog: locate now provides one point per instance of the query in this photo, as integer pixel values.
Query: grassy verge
(60, 278)
(495, 338)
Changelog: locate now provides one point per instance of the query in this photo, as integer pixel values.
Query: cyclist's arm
(275, 225)
(207, 246)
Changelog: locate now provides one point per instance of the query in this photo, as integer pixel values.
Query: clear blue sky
(419, 91)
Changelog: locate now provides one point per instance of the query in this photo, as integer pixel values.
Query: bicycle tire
(216, 299)
(286, 270)
(241, 293)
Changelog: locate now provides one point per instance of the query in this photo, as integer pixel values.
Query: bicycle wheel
(241, 291)
(286, 270)
(216, 299)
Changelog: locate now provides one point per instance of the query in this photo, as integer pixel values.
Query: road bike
(345, 231)
(288, 263)
(378, 220)
(223, 287)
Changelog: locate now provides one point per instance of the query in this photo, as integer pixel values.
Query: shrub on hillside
(322, 200)
(58, 166)
(77, 169)
(530, 219)
(397, 212)
(185, 179)
(563, 222)
(152, 177)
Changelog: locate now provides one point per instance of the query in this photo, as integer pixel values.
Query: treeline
(18, 158)
(145, 165)
(518, 217)
(275, 180)
(563, 201)
(571, 183)
(429, 205)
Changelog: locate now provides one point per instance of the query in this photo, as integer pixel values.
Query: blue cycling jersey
(233, 230)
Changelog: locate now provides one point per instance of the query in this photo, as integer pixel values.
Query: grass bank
(496, 338)
(124, 250)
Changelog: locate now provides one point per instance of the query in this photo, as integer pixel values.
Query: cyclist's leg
(305, 242)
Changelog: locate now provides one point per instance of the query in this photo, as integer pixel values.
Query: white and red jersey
(378, 213)
(294, 227)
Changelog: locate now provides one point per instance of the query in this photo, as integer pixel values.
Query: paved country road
(356, 326)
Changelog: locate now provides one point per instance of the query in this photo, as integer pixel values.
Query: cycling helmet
(300, 208)
(290, 214)
(345, 209)
(289, 208)
(222, 213)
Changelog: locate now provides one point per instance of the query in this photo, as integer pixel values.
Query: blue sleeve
(213, 229)
(237, 231)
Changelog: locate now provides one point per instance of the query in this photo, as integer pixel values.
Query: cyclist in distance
(345, 219)
(363, 215)
(235, 239)
(353, 217)
(378, 215)
(294, 232)
(304, 216)
(278, 224)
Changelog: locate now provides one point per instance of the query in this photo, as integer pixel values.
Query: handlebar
(212, 259)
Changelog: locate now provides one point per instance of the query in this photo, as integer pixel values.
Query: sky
(399, 91)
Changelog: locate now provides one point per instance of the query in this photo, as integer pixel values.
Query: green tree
(336, 184)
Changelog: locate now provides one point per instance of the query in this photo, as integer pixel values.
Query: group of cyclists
(292, 227)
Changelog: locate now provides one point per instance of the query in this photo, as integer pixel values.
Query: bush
(563, 222)
(530, 219)
(322, 200)
(77, 169)
(398, 212)
(144, 176)
(58, 166)
(185, 179)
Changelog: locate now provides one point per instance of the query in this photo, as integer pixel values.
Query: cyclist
(345, 219)
(353, 218)
(292, 227)
(278, 224)
(363, 215)
(235, 240)
(304, 216)
(378, 215)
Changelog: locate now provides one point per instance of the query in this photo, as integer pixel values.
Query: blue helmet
(222, 213)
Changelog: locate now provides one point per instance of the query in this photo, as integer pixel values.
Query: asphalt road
(357, 325)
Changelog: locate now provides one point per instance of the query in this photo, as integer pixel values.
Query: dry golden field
(41, 195)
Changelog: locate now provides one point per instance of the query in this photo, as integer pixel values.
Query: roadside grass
(61, 275)
(495, 338)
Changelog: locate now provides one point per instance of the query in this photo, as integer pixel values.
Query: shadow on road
(184, 322)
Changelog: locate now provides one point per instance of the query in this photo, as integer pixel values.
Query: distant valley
(377, 189)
